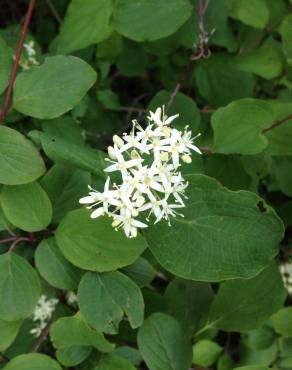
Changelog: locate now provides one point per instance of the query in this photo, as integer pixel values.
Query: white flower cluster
(148, 161)
(26, 64)
(42, 314)
(286, 272)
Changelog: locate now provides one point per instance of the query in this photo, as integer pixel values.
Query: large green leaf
(93, 244)
(218, 238)
(148, 20)
(242, 305)
(86, 22)
(8, 330)
(6, 65)
(163, 344)
(54, 267)
(20, 162)
(19, 287)
(265, 61)
(53, 88)
(73, 331)
(105, 298)
(73, 356)
(26, 206)
(33, 361)
(239, 126)
(65, 186)
(255, 13)
(220, 83)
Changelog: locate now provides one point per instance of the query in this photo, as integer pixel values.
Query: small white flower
(148, 160)
(42, 314)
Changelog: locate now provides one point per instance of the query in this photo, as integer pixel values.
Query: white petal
(97, 213)
(89, 199)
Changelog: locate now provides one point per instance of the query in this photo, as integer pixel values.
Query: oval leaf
(27, 206)
(218, 238)
(19, 287)
(20, 162)
(53, 88)
(163, 345)
(94, 244)
(105, 298)
(32, 361)
(148, 20)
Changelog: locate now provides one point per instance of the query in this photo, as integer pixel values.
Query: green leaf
(259, 338)
(20, 162)
(252, 367)
(188, 111)
(141, 271)
(6, 65)
(206, 352)
(54, 268)
(113, 362)
(105, 298)
(283, 173)
(286, 363)
(229, 170)
(32, 361)
(26, 206)
(220, 83)
(72, 356)
(262, 357)
(286, 33)
(65, 128)
(238, 127)
(73, 331)
(53, 88)
(19, 287)
(65, 186)
(163, 344)
(67, 153)
(93, 244)
(86, 22)
(189, 302)
(202, 245)
(8, 330)
(265, 61)
(280, 137)
(149, 20)
(254, 14)
(282, 322)
(242, 305)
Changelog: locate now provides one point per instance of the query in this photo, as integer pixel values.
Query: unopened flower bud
(186, 158)
(118, 141)
(111, 152)
(134, 154)
(97, 213)
(116, 223)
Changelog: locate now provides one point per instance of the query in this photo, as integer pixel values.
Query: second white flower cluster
(148, 161)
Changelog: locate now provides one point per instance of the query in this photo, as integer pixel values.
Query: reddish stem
(17, 58)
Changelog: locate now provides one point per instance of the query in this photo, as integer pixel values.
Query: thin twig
(42, 337)
(277, 123)
(202, 51)
(17, 58)
(54, 11)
